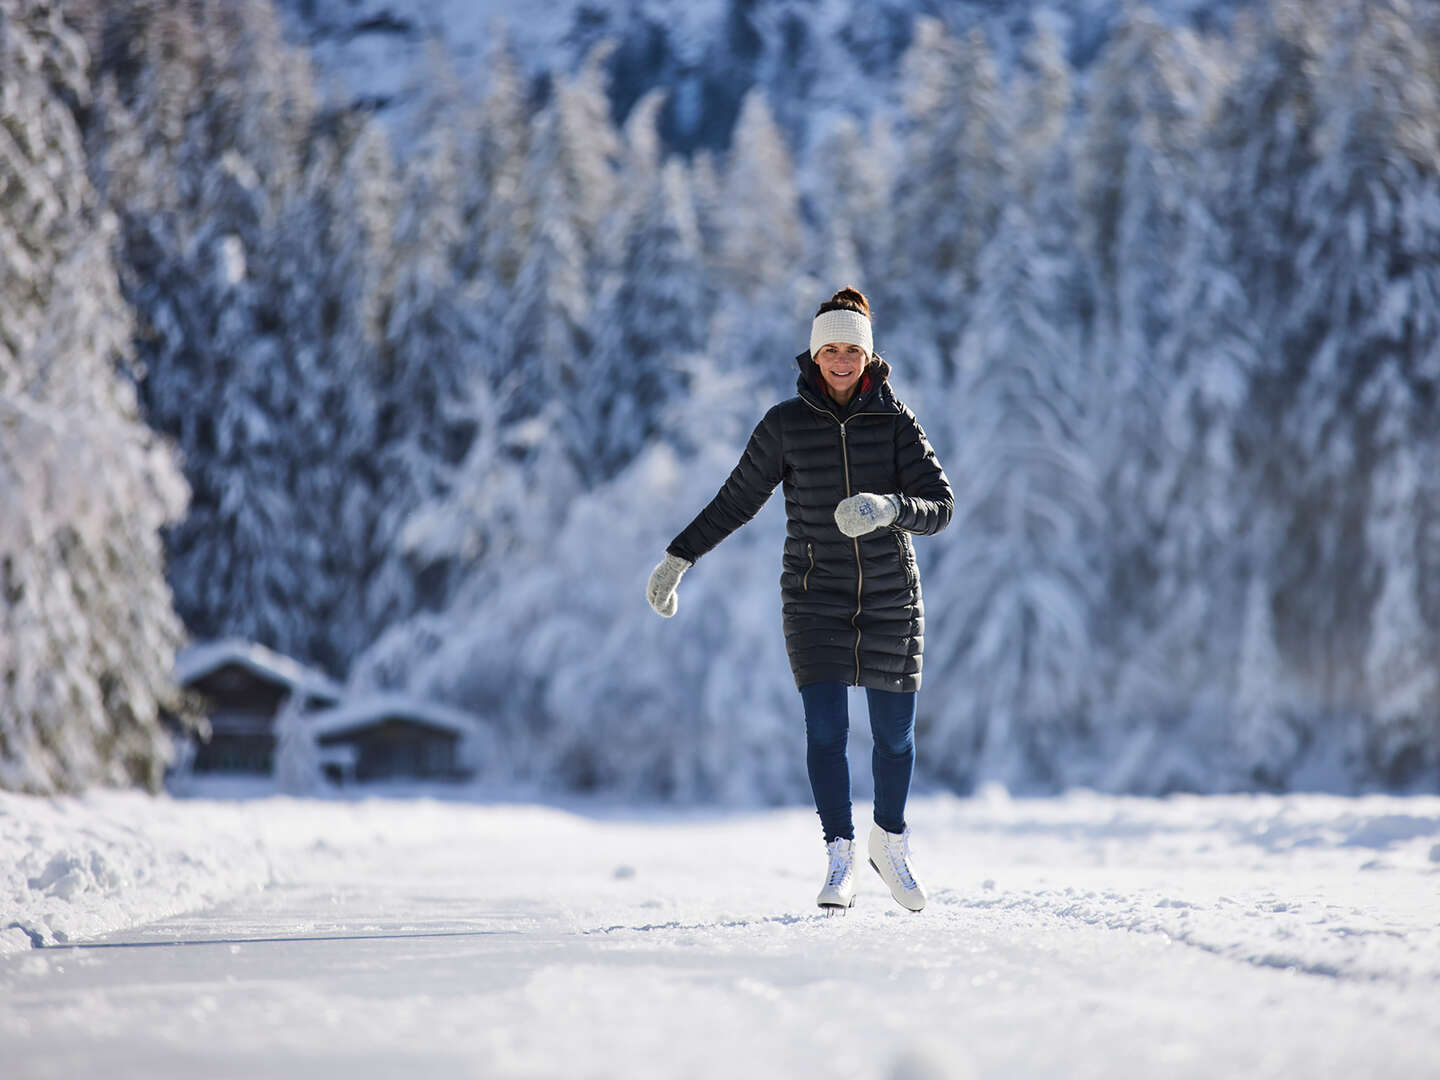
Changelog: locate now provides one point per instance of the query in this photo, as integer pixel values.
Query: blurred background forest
(416, 389)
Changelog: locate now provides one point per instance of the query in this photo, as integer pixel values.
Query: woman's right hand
(866, 512)
(663, 580)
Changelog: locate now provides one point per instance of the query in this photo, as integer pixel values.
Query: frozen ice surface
(1077, 936)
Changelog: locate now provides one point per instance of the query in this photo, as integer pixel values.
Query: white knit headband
(842, 325)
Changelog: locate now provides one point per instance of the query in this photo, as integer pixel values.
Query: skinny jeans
(827, 727)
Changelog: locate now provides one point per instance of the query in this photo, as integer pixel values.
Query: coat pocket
(907, 559)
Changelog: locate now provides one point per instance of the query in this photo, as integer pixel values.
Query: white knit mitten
(863, 513)
(663, 579)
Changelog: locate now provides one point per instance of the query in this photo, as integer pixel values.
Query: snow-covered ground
(1079, 936)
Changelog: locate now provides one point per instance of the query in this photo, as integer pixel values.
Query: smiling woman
(860, 479)
(841, 344)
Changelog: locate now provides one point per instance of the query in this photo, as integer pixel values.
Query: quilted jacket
(852, 607)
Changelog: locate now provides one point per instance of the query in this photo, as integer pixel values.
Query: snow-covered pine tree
(1370, 212)
(1343, 265)
(544, 328)
(1170, 346)
(1259, 144)
(87, 629)
(926, 229)
(1012, 643)
(1044, 94)
(848, 197)
(225, 175)
(950, 181)
(524, 277)
(495, 210)
(1400, 662)
(1201, 526)
(491, 528)
(431, 366)
(761, 239)
(761, 244)
(204, 385)
(588, 685)
(1137, 179)
(709, 204)
(333, 471)
(479, 459)
(1150, 95)
(179, 87)
(648, 326)
(1264, 733)
(514, 311)
(570, 185)
(1116, 104)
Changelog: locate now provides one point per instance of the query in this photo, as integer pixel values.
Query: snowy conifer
(495, 210)
(709, 209)
(951, 177)
(87, 629)
(761, 243)
(1044, 97)
(1344, 291)
(848, 196)
(430, 367)
(570, 185)
(1266, 742)
(1015, 638)
(1173, 345)
(647, 327)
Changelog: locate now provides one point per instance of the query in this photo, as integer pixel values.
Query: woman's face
(841, 365)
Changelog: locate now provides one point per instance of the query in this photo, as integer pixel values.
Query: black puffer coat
(852, 607)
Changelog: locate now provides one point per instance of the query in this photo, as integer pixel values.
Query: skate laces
(898, 851)
(841, 862)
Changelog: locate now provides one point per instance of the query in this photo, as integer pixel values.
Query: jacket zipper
(810, 551)
(859, 566)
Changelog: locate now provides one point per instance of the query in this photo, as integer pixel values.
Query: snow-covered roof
(365, 711)
(199, 660)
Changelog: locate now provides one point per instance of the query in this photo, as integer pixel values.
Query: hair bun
(847, 299)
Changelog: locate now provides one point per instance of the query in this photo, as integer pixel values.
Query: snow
(1083, 935)
(386, 52)
(366, 710)
(199, 660)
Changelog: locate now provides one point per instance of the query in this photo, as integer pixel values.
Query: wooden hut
(396, 736)
(246, 685)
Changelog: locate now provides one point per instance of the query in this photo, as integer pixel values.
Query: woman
(860, 478)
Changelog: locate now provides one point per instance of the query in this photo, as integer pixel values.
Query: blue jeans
(827, 727)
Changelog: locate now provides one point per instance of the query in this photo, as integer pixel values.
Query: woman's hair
(847, 299)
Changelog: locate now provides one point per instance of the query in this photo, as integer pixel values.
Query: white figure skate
(890, 856)
(838, 894)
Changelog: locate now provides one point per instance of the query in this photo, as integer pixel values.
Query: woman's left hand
(866, 512)
(660, 590)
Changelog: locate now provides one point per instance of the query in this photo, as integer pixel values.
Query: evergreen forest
(424, 413)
